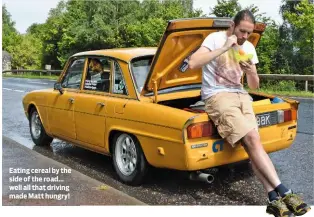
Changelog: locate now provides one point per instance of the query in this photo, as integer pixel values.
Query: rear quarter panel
(161, 131)
(158, 128)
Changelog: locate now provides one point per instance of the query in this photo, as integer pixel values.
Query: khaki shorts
(233, 115)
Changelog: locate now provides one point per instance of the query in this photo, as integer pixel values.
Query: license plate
(266, 119)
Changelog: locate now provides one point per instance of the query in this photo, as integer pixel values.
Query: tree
(226, 8)
(75, 26)
(267, 49)
(36, 29)
(93, 25)
(101, 25)
(9, 34)
(151, 20)
(300, 18)
(51, 34)
(27, 54)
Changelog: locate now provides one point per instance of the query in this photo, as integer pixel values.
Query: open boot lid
(182, 37)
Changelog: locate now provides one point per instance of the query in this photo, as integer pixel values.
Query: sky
(26, 12)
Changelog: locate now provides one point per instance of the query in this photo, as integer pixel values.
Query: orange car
(142, 106)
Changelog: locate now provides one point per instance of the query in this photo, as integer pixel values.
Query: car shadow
(162, 186)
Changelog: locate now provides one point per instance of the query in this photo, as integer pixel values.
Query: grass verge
(52, 77)
(288, 93)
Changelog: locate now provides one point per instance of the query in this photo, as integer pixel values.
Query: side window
(73, 76)
(119, 85)
(140, 69)
(98, 74)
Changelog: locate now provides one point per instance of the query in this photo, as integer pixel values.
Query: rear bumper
(219, 152)
(205, 160)
(204, 153)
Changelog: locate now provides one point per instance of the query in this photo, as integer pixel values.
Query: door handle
(101, 104)
(71, 100)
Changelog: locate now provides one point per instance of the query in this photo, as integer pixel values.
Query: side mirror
(57, 86)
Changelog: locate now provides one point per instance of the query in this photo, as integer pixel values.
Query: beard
(241, 41)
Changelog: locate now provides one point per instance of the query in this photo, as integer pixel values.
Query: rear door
(91, 105)
(120, 94)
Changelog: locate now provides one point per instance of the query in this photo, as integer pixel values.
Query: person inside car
(95, 66)
(103, 81)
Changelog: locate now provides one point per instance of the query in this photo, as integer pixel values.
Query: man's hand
(231, 41)
(251, 74)
(247, 67)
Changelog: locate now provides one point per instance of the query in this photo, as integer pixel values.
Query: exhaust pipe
(204, 177)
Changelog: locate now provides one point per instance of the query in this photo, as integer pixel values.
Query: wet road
(234, 184)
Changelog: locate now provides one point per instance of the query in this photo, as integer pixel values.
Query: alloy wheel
(125, 154)
(35, 125)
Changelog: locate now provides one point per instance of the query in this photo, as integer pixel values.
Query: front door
(61, 114)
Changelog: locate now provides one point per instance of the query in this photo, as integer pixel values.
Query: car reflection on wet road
(234, 184)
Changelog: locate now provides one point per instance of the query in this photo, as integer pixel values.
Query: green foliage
(31, 76)
(25, 49)
(52, 33)
(27, 54)
(146, 34)
(9, 34)
(226, 8)
(279, 86)
(288, 93)
(296, 33)
(267, 49)
(300, 18)
(76, 26)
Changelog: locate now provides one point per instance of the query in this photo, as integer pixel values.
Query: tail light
(287, 115)
(203, 129)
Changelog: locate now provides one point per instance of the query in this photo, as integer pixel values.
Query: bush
(279, 85)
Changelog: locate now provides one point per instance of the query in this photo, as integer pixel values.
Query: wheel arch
(110, 139)
(32, 106)
(29, 109)
(113, 132)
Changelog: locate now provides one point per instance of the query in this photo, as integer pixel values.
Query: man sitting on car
(230, 106)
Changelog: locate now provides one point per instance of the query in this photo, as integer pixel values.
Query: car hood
(181, 38)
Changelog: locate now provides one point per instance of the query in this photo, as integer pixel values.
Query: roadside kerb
(83, 189)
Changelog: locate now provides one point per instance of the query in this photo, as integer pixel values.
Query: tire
(128, 158)
(38, 133)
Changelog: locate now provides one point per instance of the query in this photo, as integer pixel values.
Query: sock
(272, 195)
(282, 190)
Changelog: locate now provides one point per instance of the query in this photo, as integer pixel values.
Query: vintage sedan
(142, 106)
